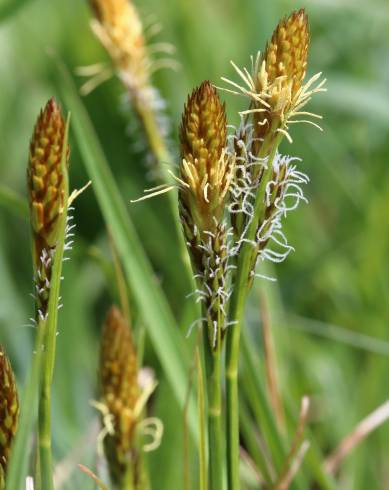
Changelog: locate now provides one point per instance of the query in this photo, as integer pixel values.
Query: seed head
(119, 390)
(281, 72)
(286, 54)
(120, 30)
(276, 86)
(206, 170)
(45, 180)
(9, 412)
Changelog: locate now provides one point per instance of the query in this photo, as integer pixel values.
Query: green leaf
(256, 399)
(164, 333)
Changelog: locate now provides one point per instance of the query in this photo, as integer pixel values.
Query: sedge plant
(233, 198)
(235, 190)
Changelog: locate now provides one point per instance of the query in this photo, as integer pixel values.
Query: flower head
(275, 85)
(120, 390)
(9, 412)
(120, 30)
(46, 181)
(206, 169)
(285, 56)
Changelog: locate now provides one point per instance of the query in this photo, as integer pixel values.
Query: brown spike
(205, 169)
(9, 412)
(119, 391)
(45, 180)
(121, 32)
(286, 53)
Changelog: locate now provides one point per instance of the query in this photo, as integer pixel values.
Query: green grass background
(339, 274)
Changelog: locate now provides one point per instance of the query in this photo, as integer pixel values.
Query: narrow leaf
(162, 328)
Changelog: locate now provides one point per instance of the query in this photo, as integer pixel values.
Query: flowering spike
(206, 170)
(276, 86)
(120, 30)
(47, 186)
(45, 180)
(286, 53)
(120, 391)
(206, 173)
(9, 412)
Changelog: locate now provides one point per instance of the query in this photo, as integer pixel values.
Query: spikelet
(9, 413)
(285, 56)
(47, 187)
(119, 28)
(45, 180)
(206, 172)
(283, 194)
(120, 393)
(276, 86)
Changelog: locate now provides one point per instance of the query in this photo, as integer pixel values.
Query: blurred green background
(329, 308)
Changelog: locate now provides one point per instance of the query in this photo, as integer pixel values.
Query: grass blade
(161, 325)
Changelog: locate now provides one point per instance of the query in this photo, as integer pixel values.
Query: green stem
(45, 458)
(17, 467)
(153, 134)
(238, 300)
(49, 340)
(128, 480)
(203, 484)
(214, 393)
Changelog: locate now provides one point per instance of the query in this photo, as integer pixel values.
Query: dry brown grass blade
(361, 431)
(88, 472)
(65, 468)
(294, 467)
(245, 456)
(297, 451)
(271, 364)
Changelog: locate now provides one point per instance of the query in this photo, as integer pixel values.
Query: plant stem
(45, 437)
(238, 300)
(213, 378)
(16, 473)
(203, 485)
(153, 134)
(49, 340)
(128, 480)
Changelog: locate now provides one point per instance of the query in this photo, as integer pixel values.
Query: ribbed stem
(238, 300)
(16, 473)
(50, 337)
(45, 458)
(214, 393)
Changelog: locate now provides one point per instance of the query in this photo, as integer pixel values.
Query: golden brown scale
(286, 53)
(282, 71)
(120, 31)
(9, 413)
(119, 391)
(45, 178)
(205, 170)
